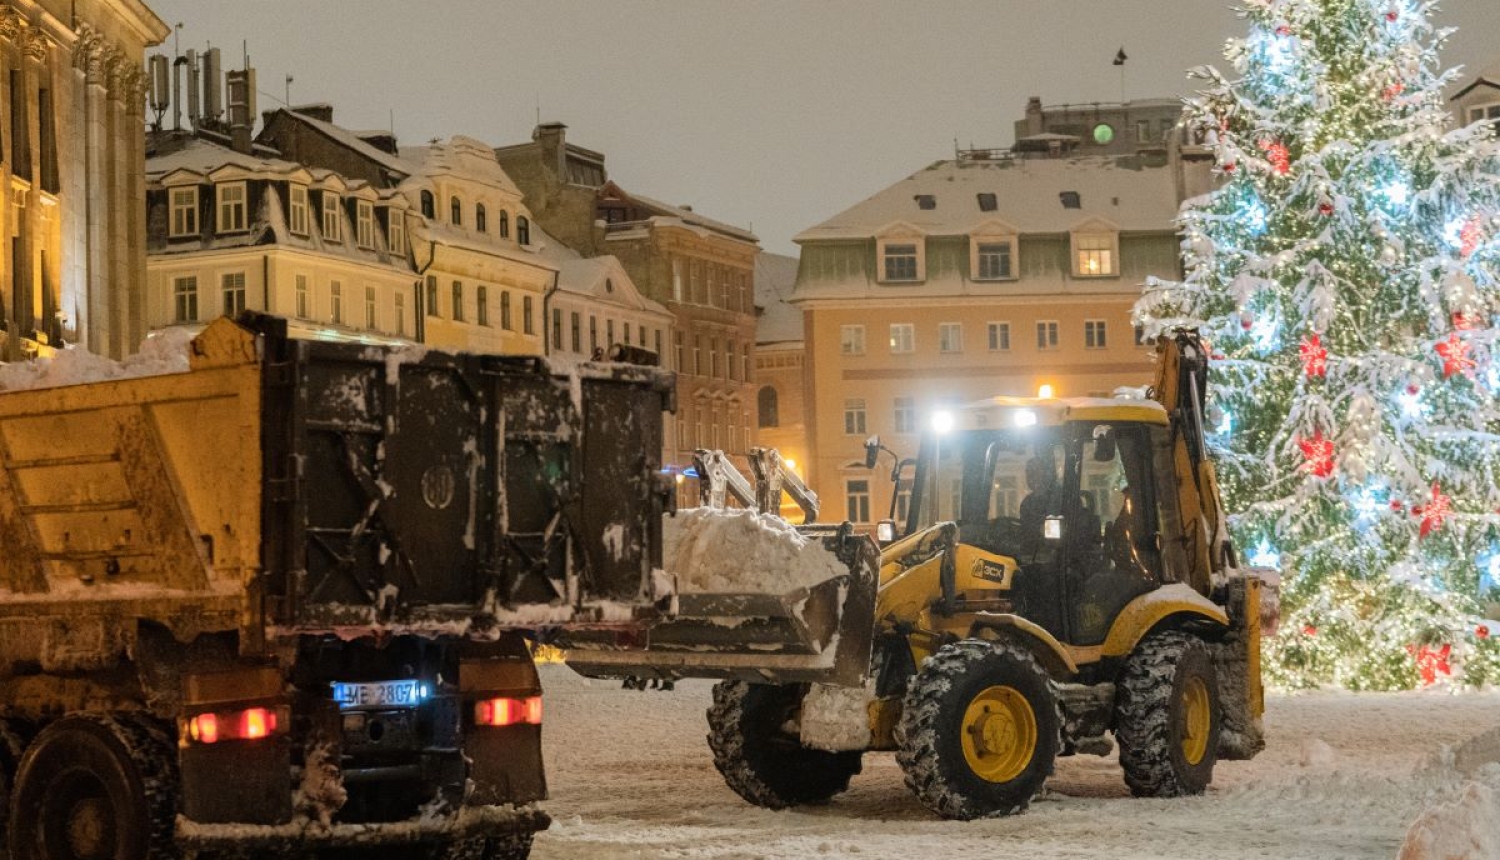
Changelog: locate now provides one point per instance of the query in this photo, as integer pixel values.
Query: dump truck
(277, 602)
(1063, 583)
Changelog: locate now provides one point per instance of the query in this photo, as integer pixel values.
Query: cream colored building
(1479, 97)
(71, 181)
(597, 305)
(780, 367)
(997, 272)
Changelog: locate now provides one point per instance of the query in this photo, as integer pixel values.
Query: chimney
(553, 138)
(241, 109)
(1034, 123)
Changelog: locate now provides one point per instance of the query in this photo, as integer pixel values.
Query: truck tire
(13, 736)
(1167, 716)
(979, 730)
(514, 846)
(763, 762)
(95, 786)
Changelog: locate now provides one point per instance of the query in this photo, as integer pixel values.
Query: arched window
(766, 403)
(504, 224)
(456, 212)
(481, 220)
(523, 230)
(429, 205)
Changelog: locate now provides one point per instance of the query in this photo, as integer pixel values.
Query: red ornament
(1397, 505)
(1325, 208)
(1319, 454)
(1284, 29)
(1469, 237)
(1455, 353)
(1314, 357)
(1482, 631)
(1465, 322)
(1229, 167)
(1435, 512)
(1247, 322)
(1309, 630)
(1432, 662)
(1277, 155)
(1395, 89)
(1393, 16)
(1413, 389)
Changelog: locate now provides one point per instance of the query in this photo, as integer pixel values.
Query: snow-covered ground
(1344, 776)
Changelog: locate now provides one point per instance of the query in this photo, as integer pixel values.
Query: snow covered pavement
(1344, 777)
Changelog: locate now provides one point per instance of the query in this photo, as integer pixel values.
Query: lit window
(303, 300)
(370, 310)
(185, 297)
(999, 336)
(903, 338)
(854, 417)
(297, 214)
(1093, 334)
(232, 207)
(233, 284)
(950, 337)
(336, 301)
(364, 220)
(482, 305)
(857, 500)
(905, 414)
(184, 211)
(331, 229)
(994, 261)
(900, 262)
(1095, 254)
(852, 340)
(458, 301)
(1046, 334)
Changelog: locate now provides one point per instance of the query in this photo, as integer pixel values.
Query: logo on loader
(437, 487)
(985, 569)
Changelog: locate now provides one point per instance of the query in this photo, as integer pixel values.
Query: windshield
(989, 476)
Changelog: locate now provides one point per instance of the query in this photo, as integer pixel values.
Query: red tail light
(250, 724)
(508, 712)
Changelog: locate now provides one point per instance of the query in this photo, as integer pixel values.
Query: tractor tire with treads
(979, 730)
(760, 759)
(1167, 716)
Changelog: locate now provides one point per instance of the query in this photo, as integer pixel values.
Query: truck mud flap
(819, 634)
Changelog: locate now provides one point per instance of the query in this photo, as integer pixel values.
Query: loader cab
(1071, 497)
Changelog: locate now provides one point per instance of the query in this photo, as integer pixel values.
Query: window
(577, 335)
(336, 301)
(1093, 334)
(304, 306)
(679, 366)
(656, 335)
(900, 262)
(557, 328)
(505, 310)
(331, 230)
(854, 417)
(625, 333)
(1070, 199)
(371, 319)
(395, 232)
(905, 415)
(713, 357)
(232, 207)
(432, 296)
(902, 338)
(999, 336)
(504, 224)
(184, 211)
(481, 218)
(233, 286)
(1046, 334)
(297, 207)
(185, 297)
(951, 337)
(852, 340)
(767, 407)
(857, 500)
(456, 211)
(400, 314)
(429, 206)
(523, 230)
(697, 355)
(729, 352)
(676, 279)
(1143, 130)
(1095, 254)
(994, 261)
(526, 320)
(1479, 113)
(458, 301)
(926, 202)
(987, 202)
(482, 305)
(745, 361)
(364, 223)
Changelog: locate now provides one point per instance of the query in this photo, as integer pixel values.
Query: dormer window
(901, 260)
(1094, 255)
(926, 201)
(523, 230)
(331, 230)
(429, 205)
(481, 219)
(395, 232)
(1070, 200)
(987, 202)
(297, 210)
(184, 211)
(232, 207)
(456, 212)
(364, 222)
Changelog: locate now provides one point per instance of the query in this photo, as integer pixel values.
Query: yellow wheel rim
(999, 734)
(1197, 718)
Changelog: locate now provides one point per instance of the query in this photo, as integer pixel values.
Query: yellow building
(997, 272)
(780, 354)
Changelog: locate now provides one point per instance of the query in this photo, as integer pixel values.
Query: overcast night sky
(771, 113)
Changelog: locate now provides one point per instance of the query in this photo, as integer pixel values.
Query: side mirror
(885, 531)
(872, 451)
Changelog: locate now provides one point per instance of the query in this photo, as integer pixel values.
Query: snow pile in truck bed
(712, 550)
(163, 353)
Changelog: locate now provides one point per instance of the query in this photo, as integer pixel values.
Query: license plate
(406, 694)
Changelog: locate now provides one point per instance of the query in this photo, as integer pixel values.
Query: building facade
(780, 365)
(597, 305)
(700, 269)
(1478, 98)
(71, 176)
(999, 272)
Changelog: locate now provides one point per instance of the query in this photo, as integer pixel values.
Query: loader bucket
(821, 633)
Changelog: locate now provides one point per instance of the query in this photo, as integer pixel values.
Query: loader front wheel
(753, 735)
(979, 730)
(1168, 716)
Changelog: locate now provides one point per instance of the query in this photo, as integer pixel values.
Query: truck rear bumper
(472, 822)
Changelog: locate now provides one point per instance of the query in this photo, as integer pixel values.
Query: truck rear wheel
(979, 730)
(94, 788)
(515, 846)
(757, 749)
(1168, 716)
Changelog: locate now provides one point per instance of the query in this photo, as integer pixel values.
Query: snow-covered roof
(352, 141)
(780, 322)
(472, 160)
(1120, 190)
(604, 279)
(204, 157)
(689, 217)
(1490, 76)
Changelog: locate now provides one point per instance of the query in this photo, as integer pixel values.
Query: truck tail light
(508, 712)
(250, 724)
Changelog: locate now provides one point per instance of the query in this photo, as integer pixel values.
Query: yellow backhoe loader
(1063, 575)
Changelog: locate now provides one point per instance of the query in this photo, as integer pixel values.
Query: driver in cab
(1043, 498)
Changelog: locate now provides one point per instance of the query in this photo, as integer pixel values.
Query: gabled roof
(1490, 77)
(1121, 190)
(605, 279)
(686, 216)
(775, 278)
(351, 141)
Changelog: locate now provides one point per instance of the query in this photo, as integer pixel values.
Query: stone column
(133, 217)
(117, 171)
(11, 210)
(74, 153)
(95, 323)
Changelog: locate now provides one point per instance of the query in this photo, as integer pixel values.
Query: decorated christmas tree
(1346, 272)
